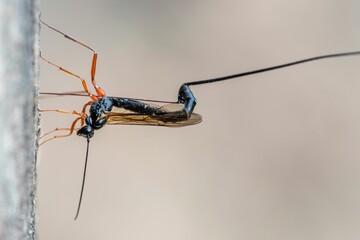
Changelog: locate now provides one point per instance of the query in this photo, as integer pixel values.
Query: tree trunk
(19, 121)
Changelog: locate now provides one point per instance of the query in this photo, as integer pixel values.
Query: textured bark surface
(19, 30)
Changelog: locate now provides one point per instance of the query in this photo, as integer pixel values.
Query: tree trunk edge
(19, 117)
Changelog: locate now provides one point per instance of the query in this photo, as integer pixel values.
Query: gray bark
(19, 31)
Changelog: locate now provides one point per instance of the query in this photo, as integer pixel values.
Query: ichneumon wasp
(110, 110)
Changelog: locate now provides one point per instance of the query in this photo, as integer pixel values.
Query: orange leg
(71, 130)
(55, 130)
(81, 116)
(101, 93)
(83, 82)
(83, 111)
(62, 111)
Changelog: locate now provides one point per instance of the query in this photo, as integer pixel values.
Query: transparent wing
(171, 118)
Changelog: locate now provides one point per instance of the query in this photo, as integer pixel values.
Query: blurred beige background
(277, 155)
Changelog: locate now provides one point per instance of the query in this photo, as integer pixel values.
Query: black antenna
(219, 79)
(83, 179)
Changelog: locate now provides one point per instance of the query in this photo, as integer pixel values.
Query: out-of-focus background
(277, 155)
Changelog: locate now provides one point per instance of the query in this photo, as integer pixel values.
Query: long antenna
(83, 179)
(219, 79)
